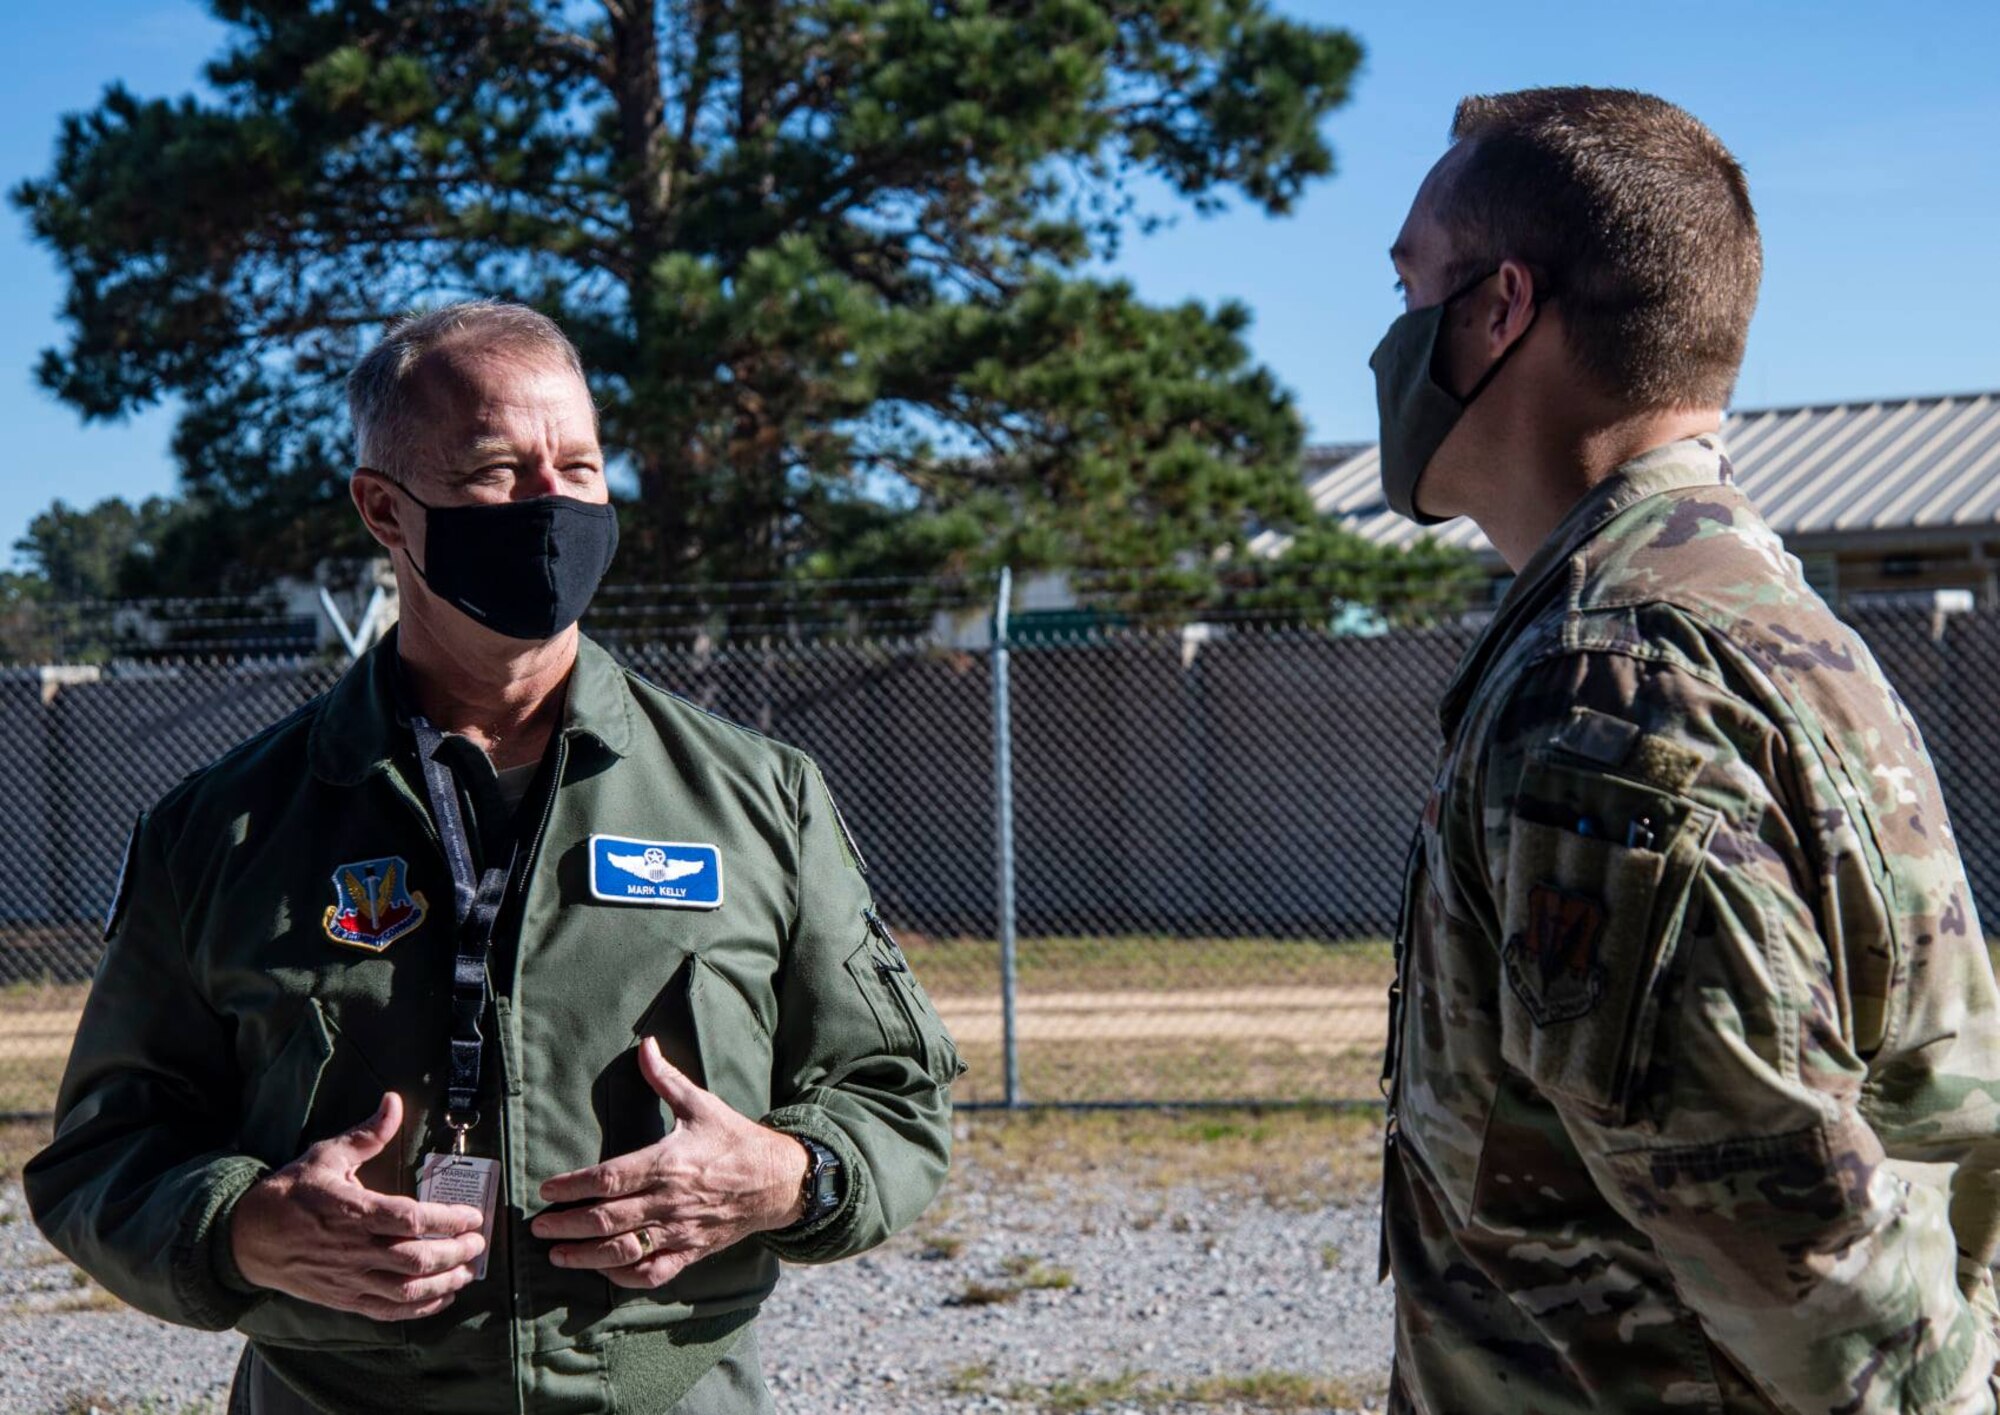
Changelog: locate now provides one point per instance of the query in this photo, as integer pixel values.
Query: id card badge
(463, 1179)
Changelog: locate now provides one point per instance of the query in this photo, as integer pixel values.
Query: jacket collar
(360, 727)
(1690, 462)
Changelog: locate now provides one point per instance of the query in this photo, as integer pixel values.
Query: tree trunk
(646, 166)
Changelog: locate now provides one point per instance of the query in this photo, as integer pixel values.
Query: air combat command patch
(373, 904)
(1552, 964)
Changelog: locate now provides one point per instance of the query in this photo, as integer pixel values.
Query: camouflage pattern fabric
(1695, 1096)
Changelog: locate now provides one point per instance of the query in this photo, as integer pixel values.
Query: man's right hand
(313, 1230)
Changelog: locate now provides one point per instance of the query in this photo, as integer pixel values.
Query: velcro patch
(1552, 964)
(667, 874)
(1613, 742)
(1671, 766)
(1597, 736)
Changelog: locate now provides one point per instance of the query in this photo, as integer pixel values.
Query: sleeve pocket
(910, 1023)
(1599, 872)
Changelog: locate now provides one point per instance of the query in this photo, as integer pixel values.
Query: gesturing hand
(312, 1229)
(718, 1177)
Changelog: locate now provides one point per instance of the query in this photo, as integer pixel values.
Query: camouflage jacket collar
(1693, 461)
(359, 728)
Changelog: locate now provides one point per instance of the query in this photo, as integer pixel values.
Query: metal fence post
(1003, 806)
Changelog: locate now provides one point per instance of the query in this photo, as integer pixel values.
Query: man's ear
(1516, 296)
(387, 515)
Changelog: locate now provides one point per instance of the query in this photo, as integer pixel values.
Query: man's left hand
(717, 1178)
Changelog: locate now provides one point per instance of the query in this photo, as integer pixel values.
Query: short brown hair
(1635, 217)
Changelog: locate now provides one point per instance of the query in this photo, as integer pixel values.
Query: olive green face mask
(1417, 412)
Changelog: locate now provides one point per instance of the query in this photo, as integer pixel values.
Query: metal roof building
(1886, 496)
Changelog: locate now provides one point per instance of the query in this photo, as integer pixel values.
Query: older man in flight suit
(481, 1036)
(1690, 985)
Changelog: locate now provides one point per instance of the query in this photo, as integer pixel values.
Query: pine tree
(832, 263)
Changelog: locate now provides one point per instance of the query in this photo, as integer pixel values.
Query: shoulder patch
(1552, 965)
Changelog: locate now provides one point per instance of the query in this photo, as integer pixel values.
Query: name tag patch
(667, 873)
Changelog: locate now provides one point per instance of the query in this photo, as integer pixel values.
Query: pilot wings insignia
(372, 905)
(654, 865)
(669, 874)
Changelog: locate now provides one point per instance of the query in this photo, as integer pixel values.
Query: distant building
(1895, 499)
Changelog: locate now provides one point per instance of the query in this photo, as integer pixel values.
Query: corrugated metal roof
(1820, 474)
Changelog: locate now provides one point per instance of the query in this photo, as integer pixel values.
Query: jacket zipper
(548, 813)
(896, 978)
(881, 931)
(520, 893)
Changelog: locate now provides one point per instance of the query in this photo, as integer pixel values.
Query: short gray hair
(379, 394)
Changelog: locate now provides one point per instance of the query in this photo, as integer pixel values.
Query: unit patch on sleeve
(1553, 965)
(670, 874)
(373, 904)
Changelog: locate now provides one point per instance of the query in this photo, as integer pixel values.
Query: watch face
(823, 1181)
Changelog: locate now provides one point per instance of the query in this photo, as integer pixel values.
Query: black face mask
(526, 569)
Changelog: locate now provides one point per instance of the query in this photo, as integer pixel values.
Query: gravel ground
(1093, 1300)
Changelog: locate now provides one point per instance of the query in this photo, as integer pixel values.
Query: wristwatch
(823, 1187)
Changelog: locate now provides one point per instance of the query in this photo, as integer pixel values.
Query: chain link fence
(1208, 825)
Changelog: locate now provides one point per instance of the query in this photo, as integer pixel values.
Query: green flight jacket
(229, 1028)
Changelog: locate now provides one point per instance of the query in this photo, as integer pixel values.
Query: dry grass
(1024, 1273)
(28, 1083)
(983, 1294)
(19, 1140)
(1258, 1390)
(83, 1295)
(88, 1297)
(1339, 1060)
(1237, 1069)
(1066, 1396)
(941, 1247)
(1142, 962)
(1281, 1390)
(88, 1402)
(970, 1380)
(1293, 1157)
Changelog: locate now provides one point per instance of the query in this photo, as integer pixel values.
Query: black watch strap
(823, 1186)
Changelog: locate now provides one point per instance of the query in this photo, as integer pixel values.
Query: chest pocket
(1600, 868)
(282, 1092)
(707, 1030)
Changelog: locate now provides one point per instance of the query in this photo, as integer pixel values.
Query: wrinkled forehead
(462, 379)
(464, 395)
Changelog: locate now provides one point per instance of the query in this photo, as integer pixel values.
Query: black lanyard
(476, 903)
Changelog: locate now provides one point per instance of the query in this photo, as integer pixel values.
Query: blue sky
(1868, 133)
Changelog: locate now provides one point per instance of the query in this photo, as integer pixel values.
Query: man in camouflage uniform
(1695, 1045)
